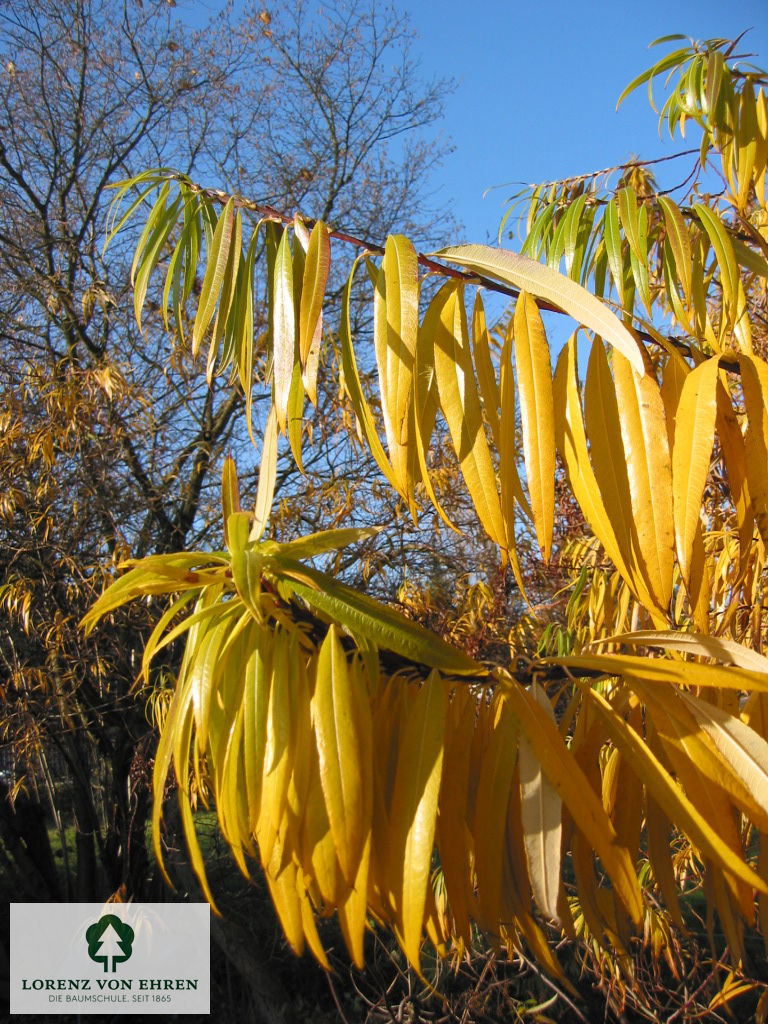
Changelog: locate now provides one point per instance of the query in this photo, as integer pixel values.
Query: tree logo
(109, 939)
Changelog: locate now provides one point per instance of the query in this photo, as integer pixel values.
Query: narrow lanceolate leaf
(453, 836)
(267, 477)
(156, 213)
(541, 812)
(151, 256)
(761, 153)
(734, 456)
(679, 243)
(497, 768)
(230, 492)
(401, 273)
(284, 329)
(426, 401)
(545, 283)
(414, 809)
(486, 375)
(354, 388)
(585, 807)
(649, 470)
(635, 223)
(340, 749)
(727, 652)
(316, 270)
(509, 477)
(667, 793)
(610, 463)
(227, 299)
(365, 617)
(754, 382)
(534, 378)
(295, 414)
(255, 706)
(461, 407)
(747, 144)
(691, 454)
(745, 752)
(571, 441)
(323, 541)
(726, 259)
(218, 256)
(671, 673)
(613, 247)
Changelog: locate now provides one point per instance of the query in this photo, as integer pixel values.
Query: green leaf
(679, 241)
(218, 256)
(613, 247)
(363, 616)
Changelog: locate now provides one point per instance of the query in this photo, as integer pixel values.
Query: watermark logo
(138, 958)
(110, 939)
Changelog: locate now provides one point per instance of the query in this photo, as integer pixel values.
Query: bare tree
(322, 109)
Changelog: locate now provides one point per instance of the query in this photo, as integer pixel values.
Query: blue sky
(537, 85)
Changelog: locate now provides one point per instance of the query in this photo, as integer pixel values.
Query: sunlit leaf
(544, 283)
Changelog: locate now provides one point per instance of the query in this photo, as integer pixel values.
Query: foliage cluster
(377, 772)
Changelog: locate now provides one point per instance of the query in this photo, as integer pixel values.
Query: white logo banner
(110, 958)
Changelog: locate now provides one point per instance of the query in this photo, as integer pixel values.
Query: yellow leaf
(461, 407)
(680, 243)
(735, 458)
(353, 908)
(745, 752)
(565, 774)
(668, 794)
(414, 809)
(316, 269)
(509, 478)
(545, 283)
(754, 382)
(534, 378)
(284, 330)
(649, 470)
(279, 751)
(426, 402)
(694, 437)
(256, 694)
(727, 652)
(230, 492)
(490, 818)
(571, 441)
(267, 477)
(282, 880)
(610, 466)
(401, 274)
(486, 375)
(541, 814)
(341, 754)
(354, 388)
(660, 670)
(453, 837)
